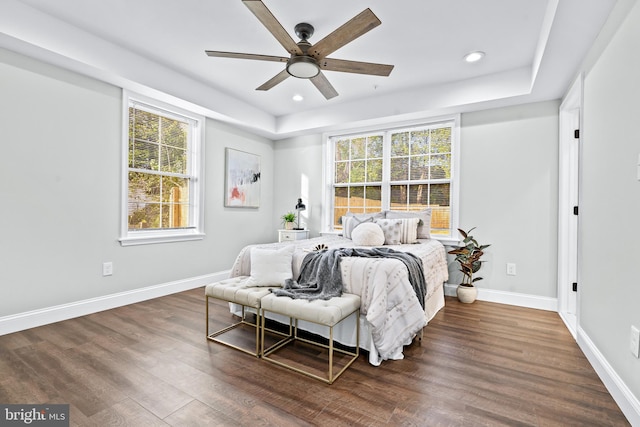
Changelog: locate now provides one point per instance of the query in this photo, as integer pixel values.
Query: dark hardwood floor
(149, 364)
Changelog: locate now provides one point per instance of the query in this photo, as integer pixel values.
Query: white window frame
(195, 230)
(329, 171)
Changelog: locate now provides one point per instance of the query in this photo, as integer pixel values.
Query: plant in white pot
(468, 256)
(288, 219)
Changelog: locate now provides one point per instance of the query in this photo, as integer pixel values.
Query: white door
(574, 212)
(568, 207)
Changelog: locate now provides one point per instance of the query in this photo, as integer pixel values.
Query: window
(406, 169)
(163, 191)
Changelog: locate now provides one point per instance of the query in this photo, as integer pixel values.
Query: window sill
(150, 238)
(447, 241)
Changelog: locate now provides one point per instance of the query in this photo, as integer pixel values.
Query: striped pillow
(409, 230)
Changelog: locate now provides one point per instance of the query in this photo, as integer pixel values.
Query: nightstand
(291, 235)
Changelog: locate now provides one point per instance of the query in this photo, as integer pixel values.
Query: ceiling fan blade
(265, 16)
(354, 28)
(278, 78)
(323, 85)
(219, 54)
(355, 67)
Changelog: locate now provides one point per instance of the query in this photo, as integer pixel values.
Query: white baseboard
(510, 298)
(628, 403)
(32, 319)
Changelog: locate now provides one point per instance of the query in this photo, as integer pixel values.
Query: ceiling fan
(306, 61)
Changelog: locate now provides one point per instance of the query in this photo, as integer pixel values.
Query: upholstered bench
(237, 290)
(322, 312)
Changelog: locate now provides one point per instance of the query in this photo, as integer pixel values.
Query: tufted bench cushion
(237, 290)
(323, 312)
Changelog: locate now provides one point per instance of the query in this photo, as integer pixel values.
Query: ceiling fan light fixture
(303, 67)
(474, 56)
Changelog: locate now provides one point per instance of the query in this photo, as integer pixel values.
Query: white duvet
(388, 302)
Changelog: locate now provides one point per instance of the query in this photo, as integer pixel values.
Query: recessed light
(298, 98)
(474, 56)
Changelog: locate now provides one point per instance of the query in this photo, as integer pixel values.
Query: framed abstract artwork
(242, 179)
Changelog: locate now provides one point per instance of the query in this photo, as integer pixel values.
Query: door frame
(569, 180)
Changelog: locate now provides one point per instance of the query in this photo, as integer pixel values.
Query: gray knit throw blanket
(321, 277)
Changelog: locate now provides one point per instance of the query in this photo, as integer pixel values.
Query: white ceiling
(533, 51)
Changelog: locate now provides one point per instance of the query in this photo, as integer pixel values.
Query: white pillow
(368, 234)
(270, 267)
(424, 228)
(351, 221)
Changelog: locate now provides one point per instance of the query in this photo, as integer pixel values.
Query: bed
(391, 314)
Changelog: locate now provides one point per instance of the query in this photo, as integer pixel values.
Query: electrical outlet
(634, 344)
(511, 269)
(107, 268)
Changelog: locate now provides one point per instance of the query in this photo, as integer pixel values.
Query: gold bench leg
(293, 336)
(213, 335)
(286, 338)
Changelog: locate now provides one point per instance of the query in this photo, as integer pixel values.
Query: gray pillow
(391, 228)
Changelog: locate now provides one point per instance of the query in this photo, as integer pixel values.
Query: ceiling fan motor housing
(304, 31)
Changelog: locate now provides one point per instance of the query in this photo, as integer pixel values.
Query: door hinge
(575, 210)
(575, 286)
(576, 134)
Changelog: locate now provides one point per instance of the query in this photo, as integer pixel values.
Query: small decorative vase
(288, 226)
(467, 294)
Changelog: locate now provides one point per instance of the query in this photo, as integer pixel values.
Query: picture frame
(242, 179)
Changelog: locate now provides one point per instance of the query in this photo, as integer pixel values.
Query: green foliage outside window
(158, 166)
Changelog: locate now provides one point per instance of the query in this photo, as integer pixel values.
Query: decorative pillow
(271, 267)
(399, 231)
(368, 234)
(350, 221)
(409, 230)
(391, 228)
(424, 227)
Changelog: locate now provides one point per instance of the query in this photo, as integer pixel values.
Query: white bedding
(391, 314)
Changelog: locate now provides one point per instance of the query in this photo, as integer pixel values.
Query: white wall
(509, 191)
(60, 172)
(610, 205)
(298, 173)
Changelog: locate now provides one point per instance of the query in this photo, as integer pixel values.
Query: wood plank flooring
(149, 364)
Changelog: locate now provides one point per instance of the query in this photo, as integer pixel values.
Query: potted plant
(468, 255)
(288, 219)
